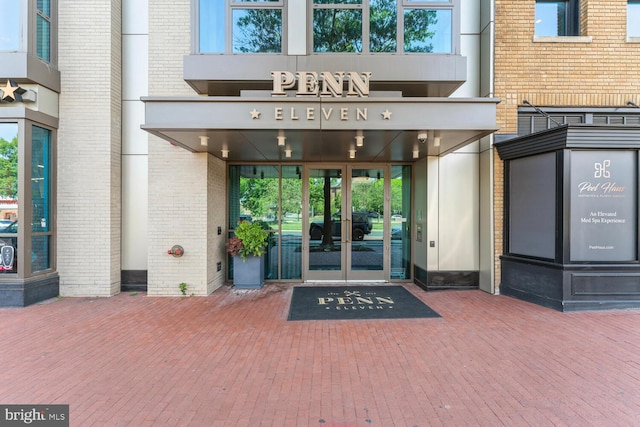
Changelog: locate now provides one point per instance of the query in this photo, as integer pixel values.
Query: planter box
(248, 274)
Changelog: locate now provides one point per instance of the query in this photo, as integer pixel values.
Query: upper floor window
(633, 18)
(557, 18)
(240, 26)
(372, 26)
(43, 30)
(10, 28)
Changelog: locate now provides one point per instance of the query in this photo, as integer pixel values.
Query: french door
(346, 225)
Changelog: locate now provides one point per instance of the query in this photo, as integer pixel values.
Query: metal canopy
(320, 129)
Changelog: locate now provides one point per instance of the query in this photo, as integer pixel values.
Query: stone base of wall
(22, 293)
(571, 288)
(439, 280)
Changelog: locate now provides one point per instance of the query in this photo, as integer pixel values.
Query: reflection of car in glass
(396, 217)
(9, 259)
(5, 223)
(396, 232)
(361, 224)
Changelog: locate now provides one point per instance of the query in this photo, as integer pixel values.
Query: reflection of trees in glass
(9, 168)
(416, 30)
(257, 30)
(258, 196)
(337, 30)
(383, 17)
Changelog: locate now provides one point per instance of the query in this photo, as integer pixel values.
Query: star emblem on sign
(255, 114)
(386, 114)
(11, 92)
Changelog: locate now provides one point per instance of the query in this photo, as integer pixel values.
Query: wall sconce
(204, 141)
(287, 153)
(416, 154)
(352, 154)
(436, 139)
(225, 153)
(359, 139)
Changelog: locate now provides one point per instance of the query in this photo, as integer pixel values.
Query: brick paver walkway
(232, 359)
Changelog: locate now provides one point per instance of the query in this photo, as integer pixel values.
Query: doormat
(355, 302)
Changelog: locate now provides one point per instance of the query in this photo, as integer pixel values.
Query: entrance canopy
(390, 129)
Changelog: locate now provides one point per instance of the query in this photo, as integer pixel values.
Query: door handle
(346, 233)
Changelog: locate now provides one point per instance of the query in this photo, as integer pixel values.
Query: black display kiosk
(571, 217)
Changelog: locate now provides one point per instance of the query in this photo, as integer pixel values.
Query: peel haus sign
(310, 84)
(603, 199)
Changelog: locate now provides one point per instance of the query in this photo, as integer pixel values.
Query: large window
(633, 18)
(240, 26)
(8, 198)
(557, 18)
(373, 26)
(10, 27)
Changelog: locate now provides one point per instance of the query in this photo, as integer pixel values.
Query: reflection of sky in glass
(212, 26)
(547, 18)
(633, 19)
(10, 25)
(8, 131)
(441, 40)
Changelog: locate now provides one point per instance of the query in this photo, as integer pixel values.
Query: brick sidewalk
(232, 359)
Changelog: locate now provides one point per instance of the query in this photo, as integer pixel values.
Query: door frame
(346, 272)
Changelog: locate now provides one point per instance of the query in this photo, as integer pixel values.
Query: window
(41, 231)
(341, 26)
(557, 18)
(43, 30)
(8, 198)
(241, 26)
(633, 18)
(10, 28)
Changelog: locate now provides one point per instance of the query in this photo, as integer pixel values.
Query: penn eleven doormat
(355, 302)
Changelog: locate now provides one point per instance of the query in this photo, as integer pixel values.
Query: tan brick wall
(88, 204)
(602, 72)
(187, 198)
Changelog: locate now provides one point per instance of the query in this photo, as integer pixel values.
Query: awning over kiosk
(318, 128)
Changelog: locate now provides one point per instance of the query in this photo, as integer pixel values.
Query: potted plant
(247, 248)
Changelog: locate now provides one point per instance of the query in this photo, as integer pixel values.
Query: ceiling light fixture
(352, 154)
(359, 139)
(204, 140)
(287, 153)
(225, 153)
(436, 139)
(416, 154)
(281, 140)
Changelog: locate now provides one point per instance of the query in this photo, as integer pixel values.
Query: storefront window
(401, 222)
(255, 26)
(271, 195)
(8, 197)
(10, 28)
(40, 198)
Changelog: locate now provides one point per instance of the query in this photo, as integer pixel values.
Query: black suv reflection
(361, 224)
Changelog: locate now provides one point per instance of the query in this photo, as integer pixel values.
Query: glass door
(347, 216)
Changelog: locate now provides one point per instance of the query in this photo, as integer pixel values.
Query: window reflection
(40, 197)
(8, 197)
(43, 30)
(10, 27)
(427, 31)
(257, 30)
(336, 30)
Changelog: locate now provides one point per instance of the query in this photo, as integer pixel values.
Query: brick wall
(598, 69)
(187, 198)
(88, 204)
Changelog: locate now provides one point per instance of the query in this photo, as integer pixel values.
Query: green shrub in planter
(250, 239)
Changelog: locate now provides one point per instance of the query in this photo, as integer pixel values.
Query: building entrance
(328, 222)
(348, 230)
